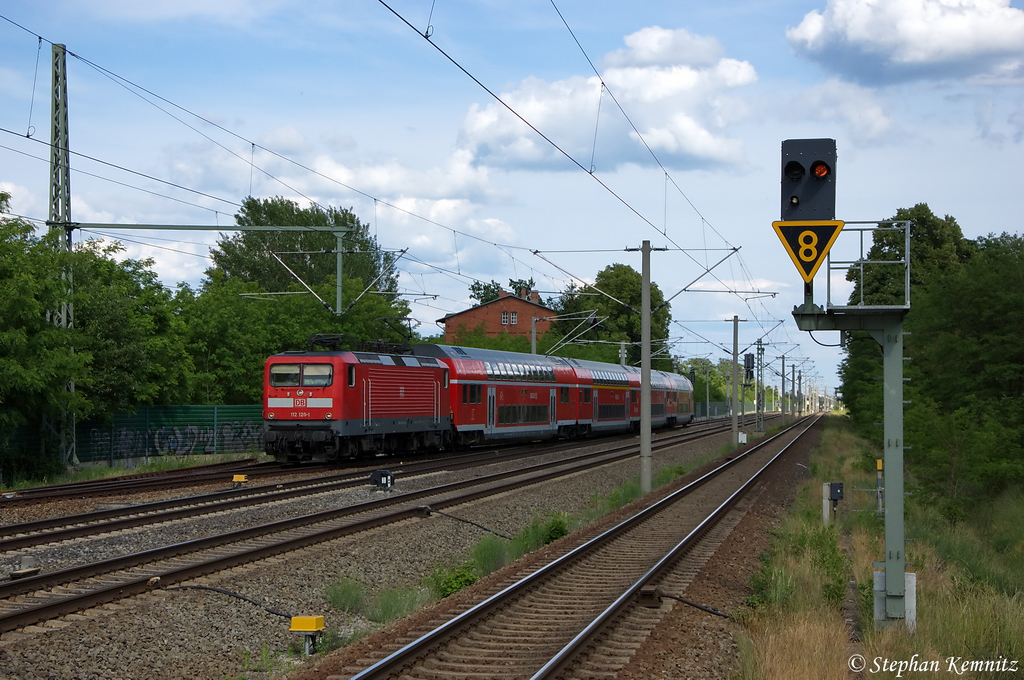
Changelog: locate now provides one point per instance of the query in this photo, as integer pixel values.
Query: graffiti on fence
(234, 437)
(122, 442)
(101, 443)
(241, 435)
(183, 441)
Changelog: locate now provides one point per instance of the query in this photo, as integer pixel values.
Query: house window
(515, 318)
(504, 318)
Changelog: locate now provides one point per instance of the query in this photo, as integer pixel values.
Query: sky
(528, 139)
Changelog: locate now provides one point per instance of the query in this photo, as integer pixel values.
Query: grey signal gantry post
(808, 237)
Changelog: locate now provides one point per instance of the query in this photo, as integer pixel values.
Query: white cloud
(285, 140)
(657, 46)
(672, 84)
(22, 202)
(457, 177)
(892, 40)
(859, 109)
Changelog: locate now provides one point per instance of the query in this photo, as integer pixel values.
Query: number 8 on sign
(808, 241)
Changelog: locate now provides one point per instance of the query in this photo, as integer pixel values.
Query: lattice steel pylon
(759, 418)
(60, 219)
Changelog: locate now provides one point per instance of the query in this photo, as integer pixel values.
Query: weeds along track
(35, 599)
(40, 532)
(213, 473)
(578, 616)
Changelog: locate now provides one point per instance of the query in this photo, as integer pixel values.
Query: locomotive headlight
(328, 416)
(270, 416)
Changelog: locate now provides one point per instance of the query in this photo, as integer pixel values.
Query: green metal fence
(172, 431)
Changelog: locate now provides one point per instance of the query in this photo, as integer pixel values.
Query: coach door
(491, 409)
(552, 413)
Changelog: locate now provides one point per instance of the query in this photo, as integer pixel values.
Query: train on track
(329, 405)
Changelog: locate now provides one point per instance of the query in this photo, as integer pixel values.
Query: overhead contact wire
(515, 113)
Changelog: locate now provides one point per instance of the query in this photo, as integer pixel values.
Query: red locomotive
(323, 406)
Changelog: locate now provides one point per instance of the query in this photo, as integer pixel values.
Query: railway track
(148, 481)
(40, 532)
(38, 598)
(574, 616)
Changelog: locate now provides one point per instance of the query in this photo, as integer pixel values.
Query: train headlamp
(270, 416)
(328, 416)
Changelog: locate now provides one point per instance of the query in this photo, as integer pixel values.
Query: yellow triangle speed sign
(808, 242)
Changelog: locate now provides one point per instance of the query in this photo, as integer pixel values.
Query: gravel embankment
(203, 634)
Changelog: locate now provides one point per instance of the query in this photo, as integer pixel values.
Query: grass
(490, 554)
(156, 464)
(347, 595)
(970, 590)
(808, 645)
(988, 546)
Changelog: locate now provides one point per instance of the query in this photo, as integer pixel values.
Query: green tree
(937, 246)
(521, 287)
(488, 292)
(127, 324)
(966, 418)
(37, 359)
(615, 300)
(484, 292)
(310, 254)
(708, 379)
(965, 415)
(234, 325)
(965, 325)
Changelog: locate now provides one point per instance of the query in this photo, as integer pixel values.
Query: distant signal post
(807, 230)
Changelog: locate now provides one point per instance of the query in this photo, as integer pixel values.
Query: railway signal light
(808, 179)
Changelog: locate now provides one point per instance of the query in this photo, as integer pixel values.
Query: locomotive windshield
(312, 375)
(316, 375)
(284, 375)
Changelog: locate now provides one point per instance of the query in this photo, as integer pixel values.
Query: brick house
(507, 314)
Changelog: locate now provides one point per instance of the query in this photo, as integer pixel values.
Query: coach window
(351, 375)
(284, 375)
(317, 375)
(446, 378)
(564, 393)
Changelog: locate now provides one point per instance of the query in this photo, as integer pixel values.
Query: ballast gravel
(201, 633)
